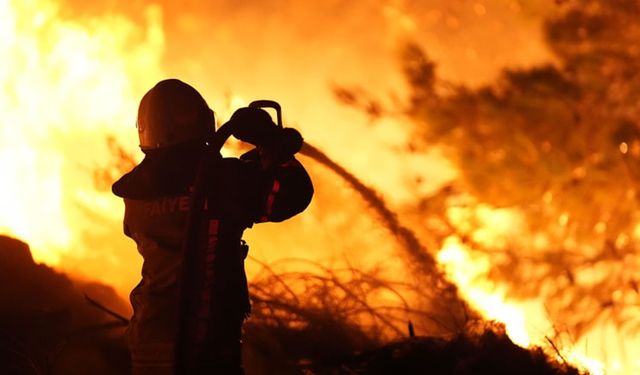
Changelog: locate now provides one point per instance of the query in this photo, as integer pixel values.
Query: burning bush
(330, 321)
(483, 349)
(547, 159)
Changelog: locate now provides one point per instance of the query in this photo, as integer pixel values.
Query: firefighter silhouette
(186, 208)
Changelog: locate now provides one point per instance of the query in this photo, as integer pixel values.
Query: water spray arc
(451, 312)
(442, 293)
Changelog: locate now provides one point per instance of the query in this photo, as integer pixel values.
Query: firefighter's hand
(253, 125)
(280, 148)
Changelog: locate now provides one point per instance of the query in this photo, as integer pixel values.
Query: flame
(466, 271)
(66, 84)
(600, 351)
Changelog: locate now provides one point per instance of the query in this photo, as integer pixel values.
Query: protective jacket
(210, 287)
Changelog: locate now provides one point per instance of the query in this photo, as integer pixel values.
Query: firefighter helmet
(171, 113)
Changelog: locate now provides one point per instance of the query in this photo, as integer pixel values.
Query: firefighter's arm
(288, 192)
(286, 187)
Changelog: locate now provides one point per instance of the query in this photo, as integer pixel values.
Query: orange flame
(600, 351)
(65, 85)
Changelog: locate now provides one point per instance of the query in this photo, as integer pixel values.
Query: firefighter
(186, 208)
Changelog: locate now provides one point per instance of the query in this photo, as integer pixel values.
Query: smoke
(293, 51)
(290, 51)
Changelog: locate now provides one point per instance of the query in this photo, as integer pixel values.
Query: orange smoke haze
(73, 73)
(77, 69)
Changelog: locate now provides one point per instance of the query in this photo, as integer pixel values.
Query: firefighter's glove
(253, 125)
(280, 147)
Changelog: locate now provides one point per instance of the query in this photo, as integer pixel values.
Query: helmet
(171, 113)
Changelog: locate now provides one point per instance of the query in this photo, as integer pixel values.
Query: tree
(558, 144)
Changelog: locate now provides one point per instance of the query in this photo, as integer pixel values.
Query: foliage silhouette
(558, 147)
